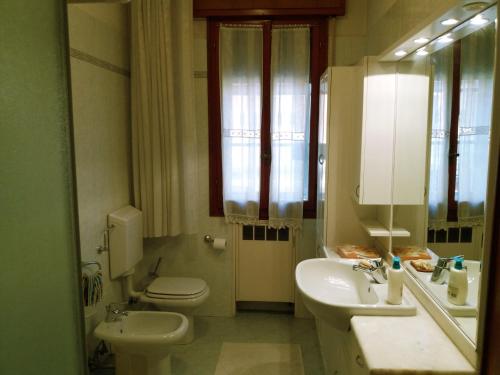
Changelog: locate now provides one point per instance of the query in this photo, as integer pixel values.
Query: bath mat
(259, 359)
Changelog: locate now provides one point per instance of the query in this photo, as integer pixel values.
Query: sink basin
(440, 291)
(334, 292)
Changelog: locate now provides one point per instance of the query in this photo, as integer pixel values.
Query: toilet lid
(179, 286)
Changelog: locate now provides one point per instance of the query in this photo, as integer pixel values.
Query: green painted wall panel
(40, 314)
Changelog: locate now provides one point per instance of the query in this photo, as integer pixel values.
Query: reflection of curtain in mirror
(476, 93)
(241, 83)
(290, 110)
(441, 114)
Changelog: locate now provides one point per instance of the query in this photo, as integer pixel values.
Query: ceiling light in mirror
(400, 53)
(449, 22)
(445, 38)
(422, 52)
(421, 40)
(479, 20)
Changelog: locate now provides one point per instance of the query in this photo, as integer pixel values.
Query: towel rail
(92, 263)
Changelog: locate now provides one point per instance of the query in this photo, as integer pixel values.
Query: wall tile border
(83, 56)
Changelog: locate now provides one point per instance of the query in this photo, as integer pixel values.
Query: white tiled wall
(101, 117)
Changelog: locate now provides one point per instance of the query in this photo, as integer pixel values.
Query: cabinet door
(377, 143)
(411, 132)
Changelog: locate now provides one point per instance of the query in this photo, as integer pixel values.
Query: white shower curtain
(164, 147)
(476, 95)
(440, 141)
(241, 110)
(290, 113)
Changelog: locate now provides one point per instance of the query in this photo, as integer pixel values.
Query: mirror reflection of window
(461, 120)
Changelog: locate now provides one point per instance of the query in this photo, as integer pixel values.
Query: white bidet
(141, 340)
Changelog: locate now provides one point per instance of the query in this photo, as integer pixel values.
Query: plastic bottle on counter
(395, 282)
(458, 287)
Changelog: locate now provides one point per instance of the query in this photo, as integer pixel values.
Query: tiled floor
(243, 358)
(200, 357)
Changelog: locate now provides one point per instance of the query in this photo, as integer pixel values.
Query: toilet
(177, 294)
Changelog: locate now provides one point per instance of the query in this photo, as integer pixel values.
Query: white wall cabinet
(372, 146)
(337, 215)
(373, 183)
(389, 126)
(410, 141)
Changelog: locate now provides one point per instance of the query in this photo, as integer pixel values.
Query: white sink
(440, 291)
(334, 292)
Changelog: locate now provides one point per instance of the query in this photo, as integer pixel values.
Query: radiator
(265, 262)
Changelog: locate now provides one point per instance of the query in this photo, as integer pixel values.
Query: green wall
(40, 314)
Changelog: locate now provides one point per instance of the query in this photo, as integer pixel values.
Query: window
(461, 119)
(264, 75)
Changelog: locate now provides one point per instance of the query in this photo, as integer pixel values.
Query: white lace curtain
(290, 111)
(164, 149)
(476, 92)
(440, 137)
(241, 61)
(476, 96)
(241, 109)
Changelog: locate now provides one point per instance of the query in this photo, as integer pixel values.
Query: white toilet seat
(174, 296)
(176, 287)
(182, 292)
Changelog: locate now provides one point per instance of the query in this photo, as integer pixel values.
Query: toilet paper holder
(208, 239)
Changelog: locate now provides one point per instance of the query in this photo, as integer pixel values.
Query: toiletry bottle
(457, 283)
(395, 282)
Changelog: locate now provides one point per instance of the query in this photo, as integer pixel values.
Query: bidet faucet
(114, 313)
(373, 267)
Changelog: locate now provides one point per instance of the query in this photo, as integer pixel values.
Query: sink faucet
(373, 267)
(442, 265)
(114, 313)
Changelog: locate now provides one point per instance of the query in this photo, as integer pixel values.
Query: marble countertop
(407, 344)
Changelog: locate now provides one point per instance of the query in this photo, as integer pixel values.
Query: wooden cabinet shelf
(376, 229)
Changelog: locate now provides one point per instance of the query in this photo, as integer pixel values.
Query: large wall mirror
(458, 69)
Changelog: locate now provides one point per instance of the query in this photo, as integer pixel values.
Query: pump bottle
(457, 283)
(395, 283)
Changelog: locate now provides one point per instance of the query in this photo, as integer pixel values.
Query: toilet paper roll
(219, 243)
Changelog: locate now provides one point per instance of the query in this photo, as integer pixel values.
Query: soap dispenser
(395, 283)
(457, 283)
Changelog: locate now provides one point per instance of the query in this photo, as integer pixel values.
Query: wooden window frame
(454, 118)
(318, 63)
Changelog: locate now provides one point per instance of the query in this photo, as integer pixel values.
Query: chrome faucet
(114, 313)
(373, 267)
(441, 269)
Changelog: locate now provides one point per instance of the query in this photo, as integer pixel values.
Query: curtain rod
(98, 1)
